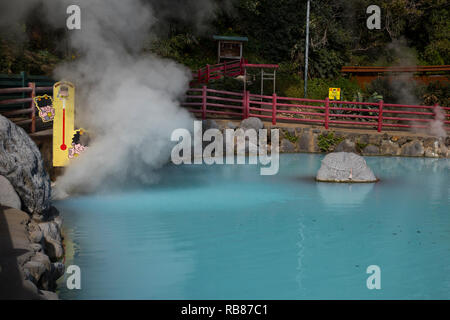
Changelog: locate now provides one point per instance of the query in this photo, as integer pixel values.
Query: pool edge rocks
(22, 164)
(33, 273)
(37, 229)
(296, 138)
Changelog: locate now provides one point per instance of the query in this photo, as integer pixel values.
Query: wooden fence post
(274, 109)
(380, 116)
(207, 73)
(32, 85)
(327, 112)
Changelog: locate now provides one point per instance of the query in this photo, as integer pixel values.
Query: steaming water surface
(225, 232)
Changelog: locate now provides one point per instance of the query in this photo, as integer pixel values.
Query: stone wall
(368, 144)
(303, 138)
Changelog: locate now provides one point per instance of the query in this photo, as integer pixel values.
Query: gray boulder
(412, 149)
(389, 148)
(52, 239)
(231, 125)
(371, 150)
(252, 123)
(36, 236)
(49, 295)
(287, 146)
(209, 124)
(346, 146)
(35, 269)
(21, 163)
(304, 142)
(8, 196)
(345, 167)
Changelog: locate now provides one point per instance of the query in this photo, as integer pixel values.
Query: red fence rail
(378, 115)
(212, 72)
(14, 111)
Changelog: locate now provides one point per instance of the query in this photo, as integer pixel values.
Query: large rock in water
(345, 167)
(21, 163)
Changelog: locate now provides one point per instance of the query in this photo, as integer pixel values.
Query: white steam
(404, 87)
(127, 101)
(437, 127)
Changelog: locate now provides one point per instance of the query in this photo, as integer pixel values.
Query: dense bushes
(433, 93)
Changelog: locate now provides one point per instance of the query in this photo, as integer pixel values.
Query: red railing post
(32, 85)
(274, 109)
(204, 102)
(241, 66)
(380, 116)
(327, 112)
(436, 113)
(245, 105)
(207, 73)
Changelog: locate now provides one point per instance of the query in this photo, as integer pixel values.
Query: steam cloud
(128, 101)
(404, 86)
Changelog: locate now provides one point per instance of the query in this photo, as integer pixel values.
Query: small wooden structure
(265, 76)
(230, 48)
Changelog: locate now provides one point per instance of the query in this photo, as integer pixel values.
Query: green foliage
(14, 59)
(318, 88)
(184, 48)
(360, 146)
(7, 58)
(382, 87)
(327, 142)
(436, 93)
(291, 138)
(276, 32)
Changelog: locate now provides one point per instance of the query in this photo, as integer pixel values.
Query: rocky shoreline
(29, 269)
(310, 139)
(31, 247)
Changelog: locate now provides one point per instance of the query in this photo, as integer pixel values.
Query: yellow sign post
(64, 121)
(334, 94)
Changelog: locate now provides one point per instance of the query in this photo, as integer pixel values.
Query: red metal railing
(212, 72)
(378, 115)
(31, 110)
(226, 69)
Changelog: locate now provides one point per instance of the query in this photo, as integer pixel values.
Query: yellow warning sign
(334, 94)
(63, 122)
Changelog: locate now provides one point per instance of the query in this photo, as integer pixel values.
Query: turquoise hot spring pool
(226, 232)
